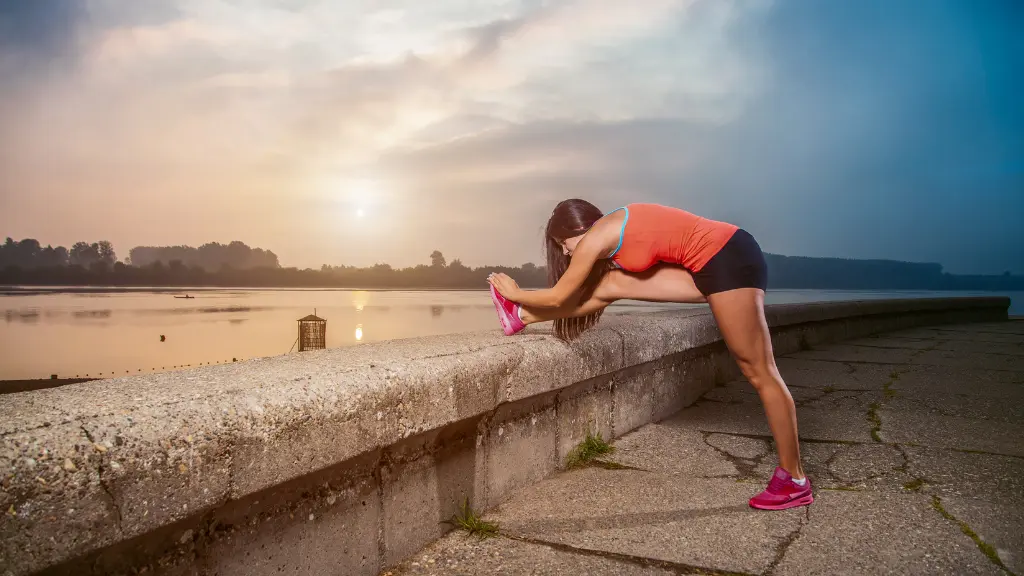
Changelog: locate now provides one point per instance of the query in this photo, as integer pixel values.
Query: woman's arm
(587, 252)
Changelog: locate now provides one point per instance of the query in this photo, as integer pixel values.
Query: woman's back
(654, 233)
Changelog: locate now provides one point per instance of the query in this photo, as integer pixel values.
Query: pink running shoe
(783, 493)
(508, 313)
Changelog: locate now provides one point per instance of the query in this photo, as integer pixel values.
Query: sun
(361, 195)
(361, 201)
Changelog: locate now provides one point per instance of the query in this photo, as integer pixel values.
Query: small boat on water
(186, 296)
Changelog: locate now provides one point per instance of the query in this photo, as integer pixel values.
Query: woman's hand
(505, 286)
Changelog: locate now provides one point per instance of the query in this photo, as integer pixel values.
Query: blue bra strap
(622, 231)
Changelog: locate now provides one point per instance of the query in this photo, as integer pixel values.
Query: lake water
(115, 333)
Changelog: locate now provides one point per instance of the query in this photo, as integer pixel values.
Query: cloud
(386, 76)
(826, 130)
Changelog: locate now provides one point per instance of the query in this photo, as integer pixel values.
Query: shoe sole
(801, 501)
(501, 313)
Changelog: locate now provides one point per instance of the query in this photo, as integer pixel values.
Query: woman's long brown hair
(572, 218)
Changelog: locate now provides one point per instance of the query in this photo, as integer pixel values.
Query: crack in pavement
(985, 547)
(101, 472)
(827, 392)
(882, 347)
(611, 465)
(847, 362)
(828, 463)
(888, 393)
(780, 552)
(876, 363)
(919, 482)
(770, 440)
(745, 467)
(613, 521)
(675, 567)
(969, 451)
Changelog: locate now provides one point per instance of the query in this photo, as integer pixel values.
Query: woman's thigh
(660, 283)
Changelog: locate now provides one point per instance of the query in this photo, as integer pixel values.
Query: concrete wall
(346, 461)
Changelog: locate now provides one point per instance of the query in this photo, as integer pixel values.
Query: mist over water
(105, 334)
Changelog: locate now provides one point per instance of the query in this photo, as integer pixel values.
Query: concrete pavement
(913, 440)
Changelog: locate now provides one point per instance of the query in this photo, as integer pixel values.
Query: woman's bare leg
(740, 317)
(661, 283)
(533, 315)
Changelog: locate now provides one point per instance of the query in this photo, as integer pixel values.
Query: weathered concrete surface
(892, 449)
(228, 469)
(457, 554)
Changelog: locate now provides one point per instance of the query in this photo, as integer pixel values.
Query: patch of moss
(471, 523)
(586, 451)
(914, 485)
(985, 547)
(828, 389)
(889, 392)
(876, 422)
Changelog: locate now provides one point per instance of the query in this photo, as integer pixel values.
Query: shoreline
(43, 290)
(14, 386)
(12, 290)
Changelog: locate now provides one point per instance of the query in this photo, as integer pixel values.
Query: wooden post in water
(312, 333)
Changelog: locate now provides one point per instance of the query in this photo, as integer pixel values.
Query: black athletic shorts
(739, 264)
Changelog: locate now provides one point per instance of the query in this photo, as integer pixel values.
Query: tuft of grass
(471, 523)
(590, 448)
(876, 422)
(985, 547)
(914, 485)
(893, 377)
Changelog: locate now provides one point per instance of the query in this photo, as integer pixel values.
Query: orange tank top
(653, 233)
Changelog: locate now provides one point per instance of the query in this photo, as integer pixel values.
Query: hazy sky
(358, 131)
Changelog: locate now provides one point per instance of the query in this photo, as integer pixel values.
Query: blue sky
(370, 131)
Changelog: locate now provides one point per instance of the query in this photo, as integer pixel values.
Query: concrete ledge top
(90, 464)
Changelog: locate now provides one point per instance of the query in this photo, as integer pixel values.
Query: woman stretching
(663, 254)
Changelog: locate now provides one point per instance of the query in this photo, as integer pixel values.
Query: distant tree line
(237, 265)
(848, 274)
(210, 257)
(29, 254)
(231, 265)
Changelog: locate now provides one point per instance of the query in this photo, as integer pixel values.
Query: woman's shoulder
(638, 207)
(609, 226)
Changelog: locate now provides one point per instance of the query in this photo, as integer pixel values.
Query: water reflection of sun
(359, 299)
(359, 331)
